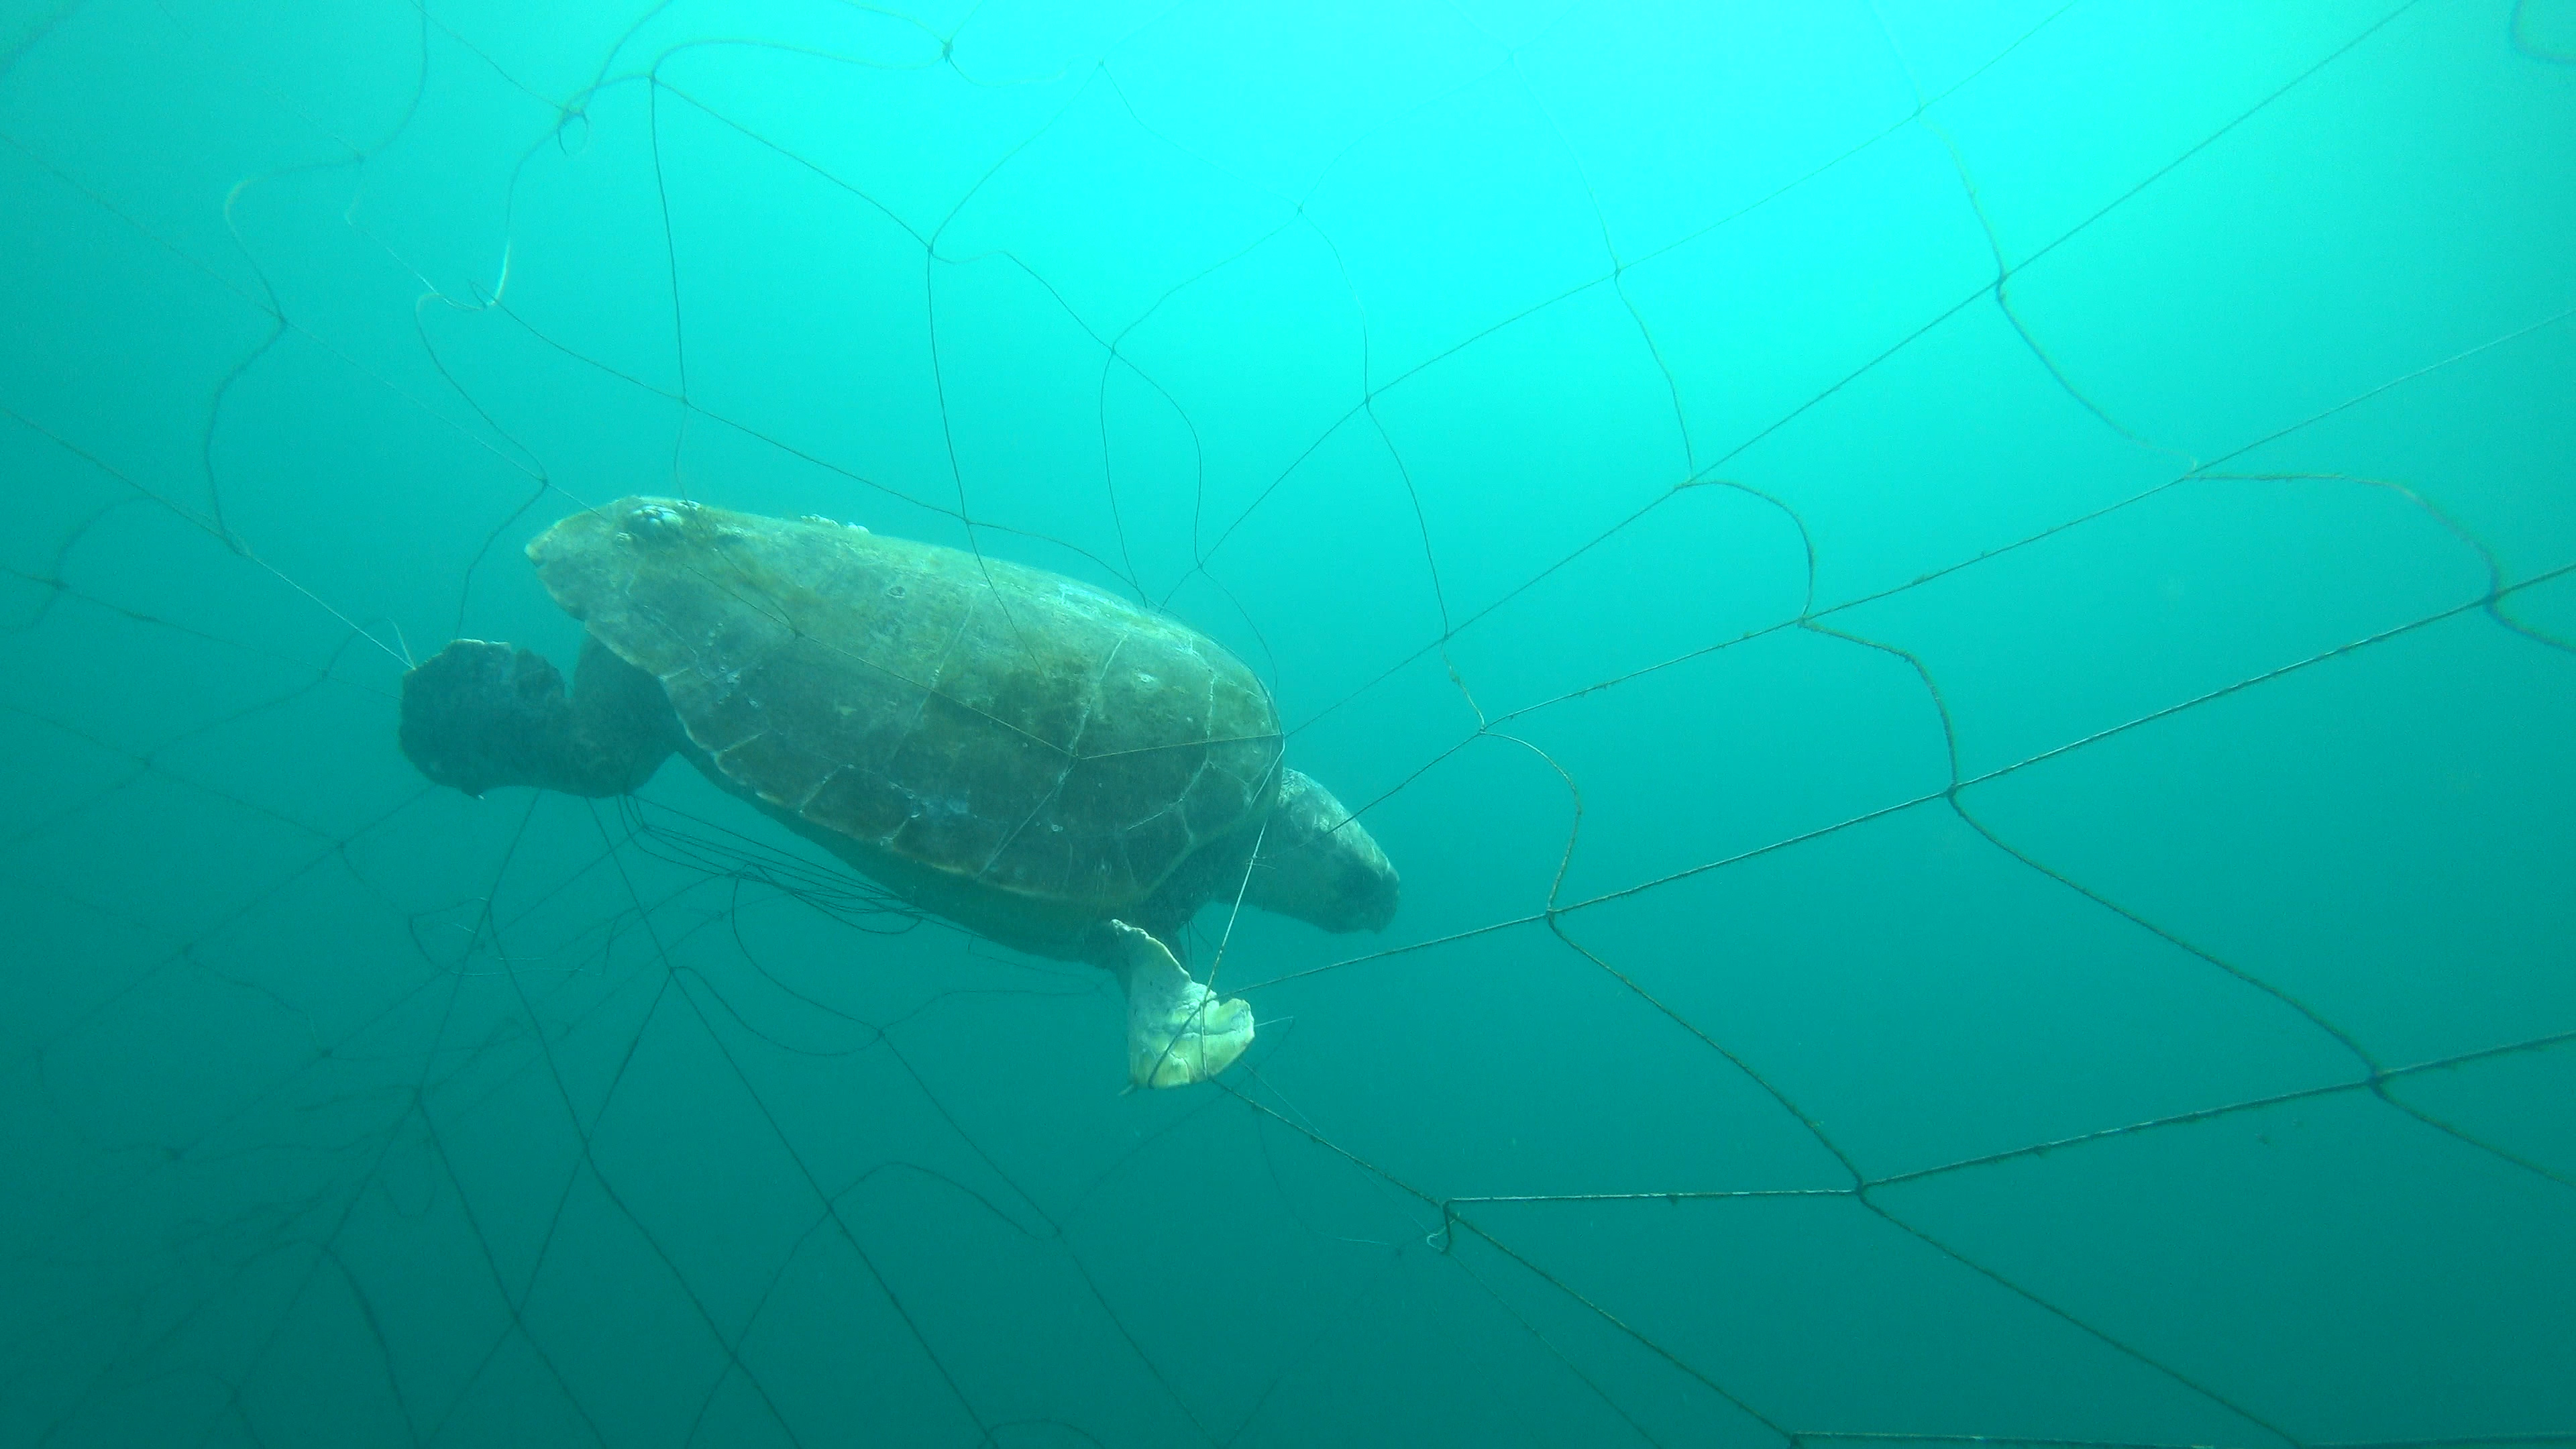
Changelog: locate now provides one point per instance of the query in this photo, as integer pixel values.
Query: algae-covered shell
(988, 727)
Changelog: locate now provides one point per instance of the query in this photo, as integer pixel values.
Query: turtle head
(1320, 865)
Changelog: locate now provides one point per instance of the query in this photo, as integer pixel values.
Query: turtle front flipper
(1178, 1031)
(477, 715)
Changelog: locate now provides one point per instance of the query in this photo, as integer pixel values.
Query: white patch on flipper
(1178, 1032)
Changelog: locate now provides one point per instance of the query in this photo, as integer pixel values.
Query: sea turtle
(1033, 758)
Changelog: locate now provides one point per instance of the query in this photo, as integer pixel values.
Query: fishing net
(1960, 623)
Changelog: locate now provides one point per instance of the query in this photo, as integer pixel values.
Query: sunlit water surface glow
(1959, 618)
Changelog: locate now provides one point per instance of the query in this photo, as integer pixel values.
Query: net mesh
(1973, 703)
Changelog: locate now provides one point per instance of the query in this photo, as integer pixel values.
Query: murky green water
(1961, 621)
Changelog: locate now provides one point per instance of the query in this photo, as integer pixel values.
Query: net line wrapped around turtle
(1035, 759)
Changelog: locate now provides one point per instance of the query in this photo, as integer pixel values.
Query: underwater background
(1960, 617)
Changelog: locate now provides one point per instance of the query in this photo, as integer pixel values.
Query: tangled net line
(663, 915)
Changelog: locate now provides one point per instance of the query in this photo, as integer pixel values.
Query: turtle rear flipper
(479, 715)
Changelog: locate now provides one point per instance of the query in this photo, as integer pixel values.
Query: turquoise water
(1961, 620)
